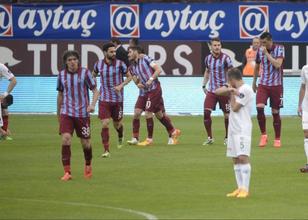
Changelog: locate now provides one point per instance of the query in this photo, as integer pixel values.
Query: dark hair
(235, 73)
(266, 35)
(215, 39)
(115, 40)
(69, 53)
(107, 46)
(7, 101)
(135, 41)
(137, 48)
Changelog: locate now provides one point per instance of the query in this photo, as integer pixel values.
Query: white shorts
(238, 145)
(305, 120)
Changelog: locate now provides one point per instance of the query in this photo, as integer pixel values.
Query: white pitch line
(144, 214)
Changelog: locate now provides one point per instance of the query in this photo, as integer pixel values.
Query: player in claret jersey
(145, 72)
(216, 66)
(111, 71)
(269, 62)
(73, 108)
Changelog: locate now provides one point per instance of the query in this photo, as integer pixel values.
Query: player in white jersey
(303, 110)
(5, 73)
(239, 130)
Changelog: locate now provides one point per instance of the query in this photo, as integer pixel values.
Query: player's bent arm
(129, 78)
(276, 62)
(222, 91)
(235, 106)
(157, 70)
(11, 85)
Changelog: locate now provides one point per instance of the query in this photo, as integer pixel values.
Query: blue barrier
(182, 95)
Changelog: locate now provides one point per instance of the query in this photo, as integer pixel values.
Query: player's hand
(264, 50)
(299, 111)
(91, 108)
(140, 86)
(118, 88)
(149, 82)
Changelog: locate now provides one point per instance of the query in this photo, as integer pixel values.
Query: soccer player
(269, 62)
(111, 71)
(216, 66)
(73, 110)
(240, 129)
(6, 102)
(4, 120)
(303, 110)
(145, 72)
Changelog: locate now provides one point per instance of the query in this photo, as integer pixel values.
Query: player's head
(234, 75)
(266, 40)
(109, 51)
(215, 45)
(133, 52)
(7, 101)
(256, 43)
(133, 42)
(71, 60)
(115, 41)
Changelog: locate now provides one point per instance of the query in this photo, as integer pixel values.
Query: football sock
(238, 175)
(120, 131)
(136, 127)
(261, 119)
(150, 125)
(245, 171)
(208, 122)
(5, 122)
(277, 125)
(87, 155)
(66, 157)
(226, 126)
(105, 138)
(306, 147)
(167, 123)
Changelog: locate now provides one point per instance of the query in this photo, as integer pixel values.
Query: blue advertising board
(155, 21)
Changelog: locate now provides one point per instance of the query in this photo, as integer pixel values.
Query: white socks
(306, 147)
(238, 175)
(242, 175)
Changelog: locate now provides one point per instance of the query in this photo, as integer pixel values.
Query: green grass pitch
(187, 181)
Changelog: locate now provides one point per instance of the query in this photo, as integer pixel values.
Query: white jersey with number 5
(5, 72)
(304, 80)
(240, 121)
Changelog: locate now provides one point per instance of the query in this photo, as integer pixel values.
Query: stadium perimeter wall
(182, 95)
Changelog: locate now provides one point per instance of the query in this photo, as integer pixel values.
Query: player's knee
(86, 143)
(148, 114)
(105, 123)
(159, 115)
(260, 110)
(275, 111)
(207, 115)
(137, 113)
(66, 139)
(243, 159)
